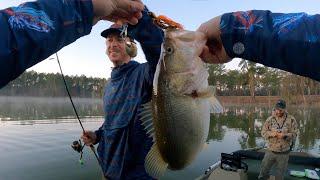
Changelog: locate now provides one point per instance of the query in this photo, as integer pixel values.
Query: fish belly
(181, 128)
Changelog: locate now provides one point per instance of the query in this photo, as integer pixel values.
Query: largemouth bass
(178, 116)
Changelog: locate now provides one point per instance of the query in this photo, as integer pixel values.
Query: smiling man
(119, 49)
(123, 143)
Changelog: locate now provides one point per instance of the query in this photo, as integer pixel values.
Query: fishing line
(75, 110)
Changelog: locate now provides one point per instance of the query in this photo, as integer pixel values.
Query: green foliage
(253, 79)
(250, 79)
(41, 84)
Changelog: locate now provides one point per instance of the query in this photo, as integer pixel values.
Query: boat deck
(299, 161)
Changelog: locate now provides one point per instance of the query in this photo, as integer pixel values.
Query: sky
(86, 56)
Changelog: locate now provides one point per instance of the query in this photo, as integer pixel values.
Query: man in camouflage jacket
(280, 131)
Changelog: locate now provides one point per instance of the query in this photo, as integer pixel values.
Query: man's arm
(289, 42)
(150, 37)
(266, 131)
(98, 134)
(33, 31)
(293, 130)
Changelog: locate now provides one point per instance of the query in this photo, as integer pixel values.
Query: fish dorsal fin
(215, 106)
(154, 164)
(145, 115)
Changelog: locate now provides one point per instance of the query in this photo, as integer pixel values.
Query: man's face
(279, 112)
(116, 49)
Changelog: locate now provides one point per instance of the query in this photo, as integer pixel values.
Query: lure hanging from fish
(124, 31)
(165, 22)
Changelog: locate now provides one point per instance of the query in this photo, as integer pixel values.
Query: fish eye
(169, 50)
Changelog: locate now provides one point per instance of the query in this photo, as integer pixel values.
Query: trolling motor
(77, 146)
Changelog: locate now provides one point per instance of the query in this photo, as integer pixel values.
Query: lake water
(36, 134)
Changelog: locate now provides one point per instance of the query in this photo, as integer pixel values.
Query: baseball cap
(281, 104)
(114, 28)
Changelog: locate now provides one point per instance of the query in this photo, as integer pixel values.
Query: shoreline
(265, 100)
(225, 100)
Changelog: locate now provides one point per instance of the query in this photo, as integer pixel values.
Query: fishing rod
(76, 145)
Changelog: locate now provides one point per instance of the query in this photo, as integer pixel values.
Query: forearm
(149, 36)
(98, 135)
(33, 31)
(289, 42)
(291, 135)
(267, 134)
(293, 130)
(266, 131)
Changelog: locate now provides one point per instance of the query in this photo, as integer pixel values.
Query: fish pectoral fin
(215, 106)
(145, 115)
(154, 164)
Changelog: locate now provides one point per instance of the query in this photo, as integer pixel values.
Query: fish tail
(154, 164)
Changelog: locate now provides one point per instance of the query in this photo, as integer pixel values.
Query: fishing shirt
(290, 42)
(32, 31)
(285, 124)
(123, 142)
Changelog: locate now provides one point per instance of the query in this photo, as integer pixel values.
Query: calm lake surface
(36, 134)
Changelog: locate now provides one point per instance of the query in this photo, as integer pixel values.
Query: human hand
(89, 138)
(274, 134)
(280, 135)
(124, 11)
(286, 136)
(214, 51)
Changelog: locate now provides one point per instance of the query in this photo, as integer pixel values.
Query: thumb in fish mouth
(209, 51)
(214, 53)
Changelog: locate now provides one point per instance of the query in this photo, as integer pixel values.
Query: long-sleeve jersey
(31, 32)
(290, 42)
(123, 142)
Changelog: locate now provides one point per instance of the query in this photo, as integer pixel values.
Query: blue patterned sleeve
(290, 42)
(149, 36)
(33, 31)
(98, 134)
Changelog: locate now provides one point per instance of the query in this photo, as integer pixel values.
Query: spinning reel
(77, 146)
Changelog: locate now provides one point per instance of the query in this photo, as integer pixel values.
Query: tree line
(253, 80)
(250, 79)
(51, 85)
